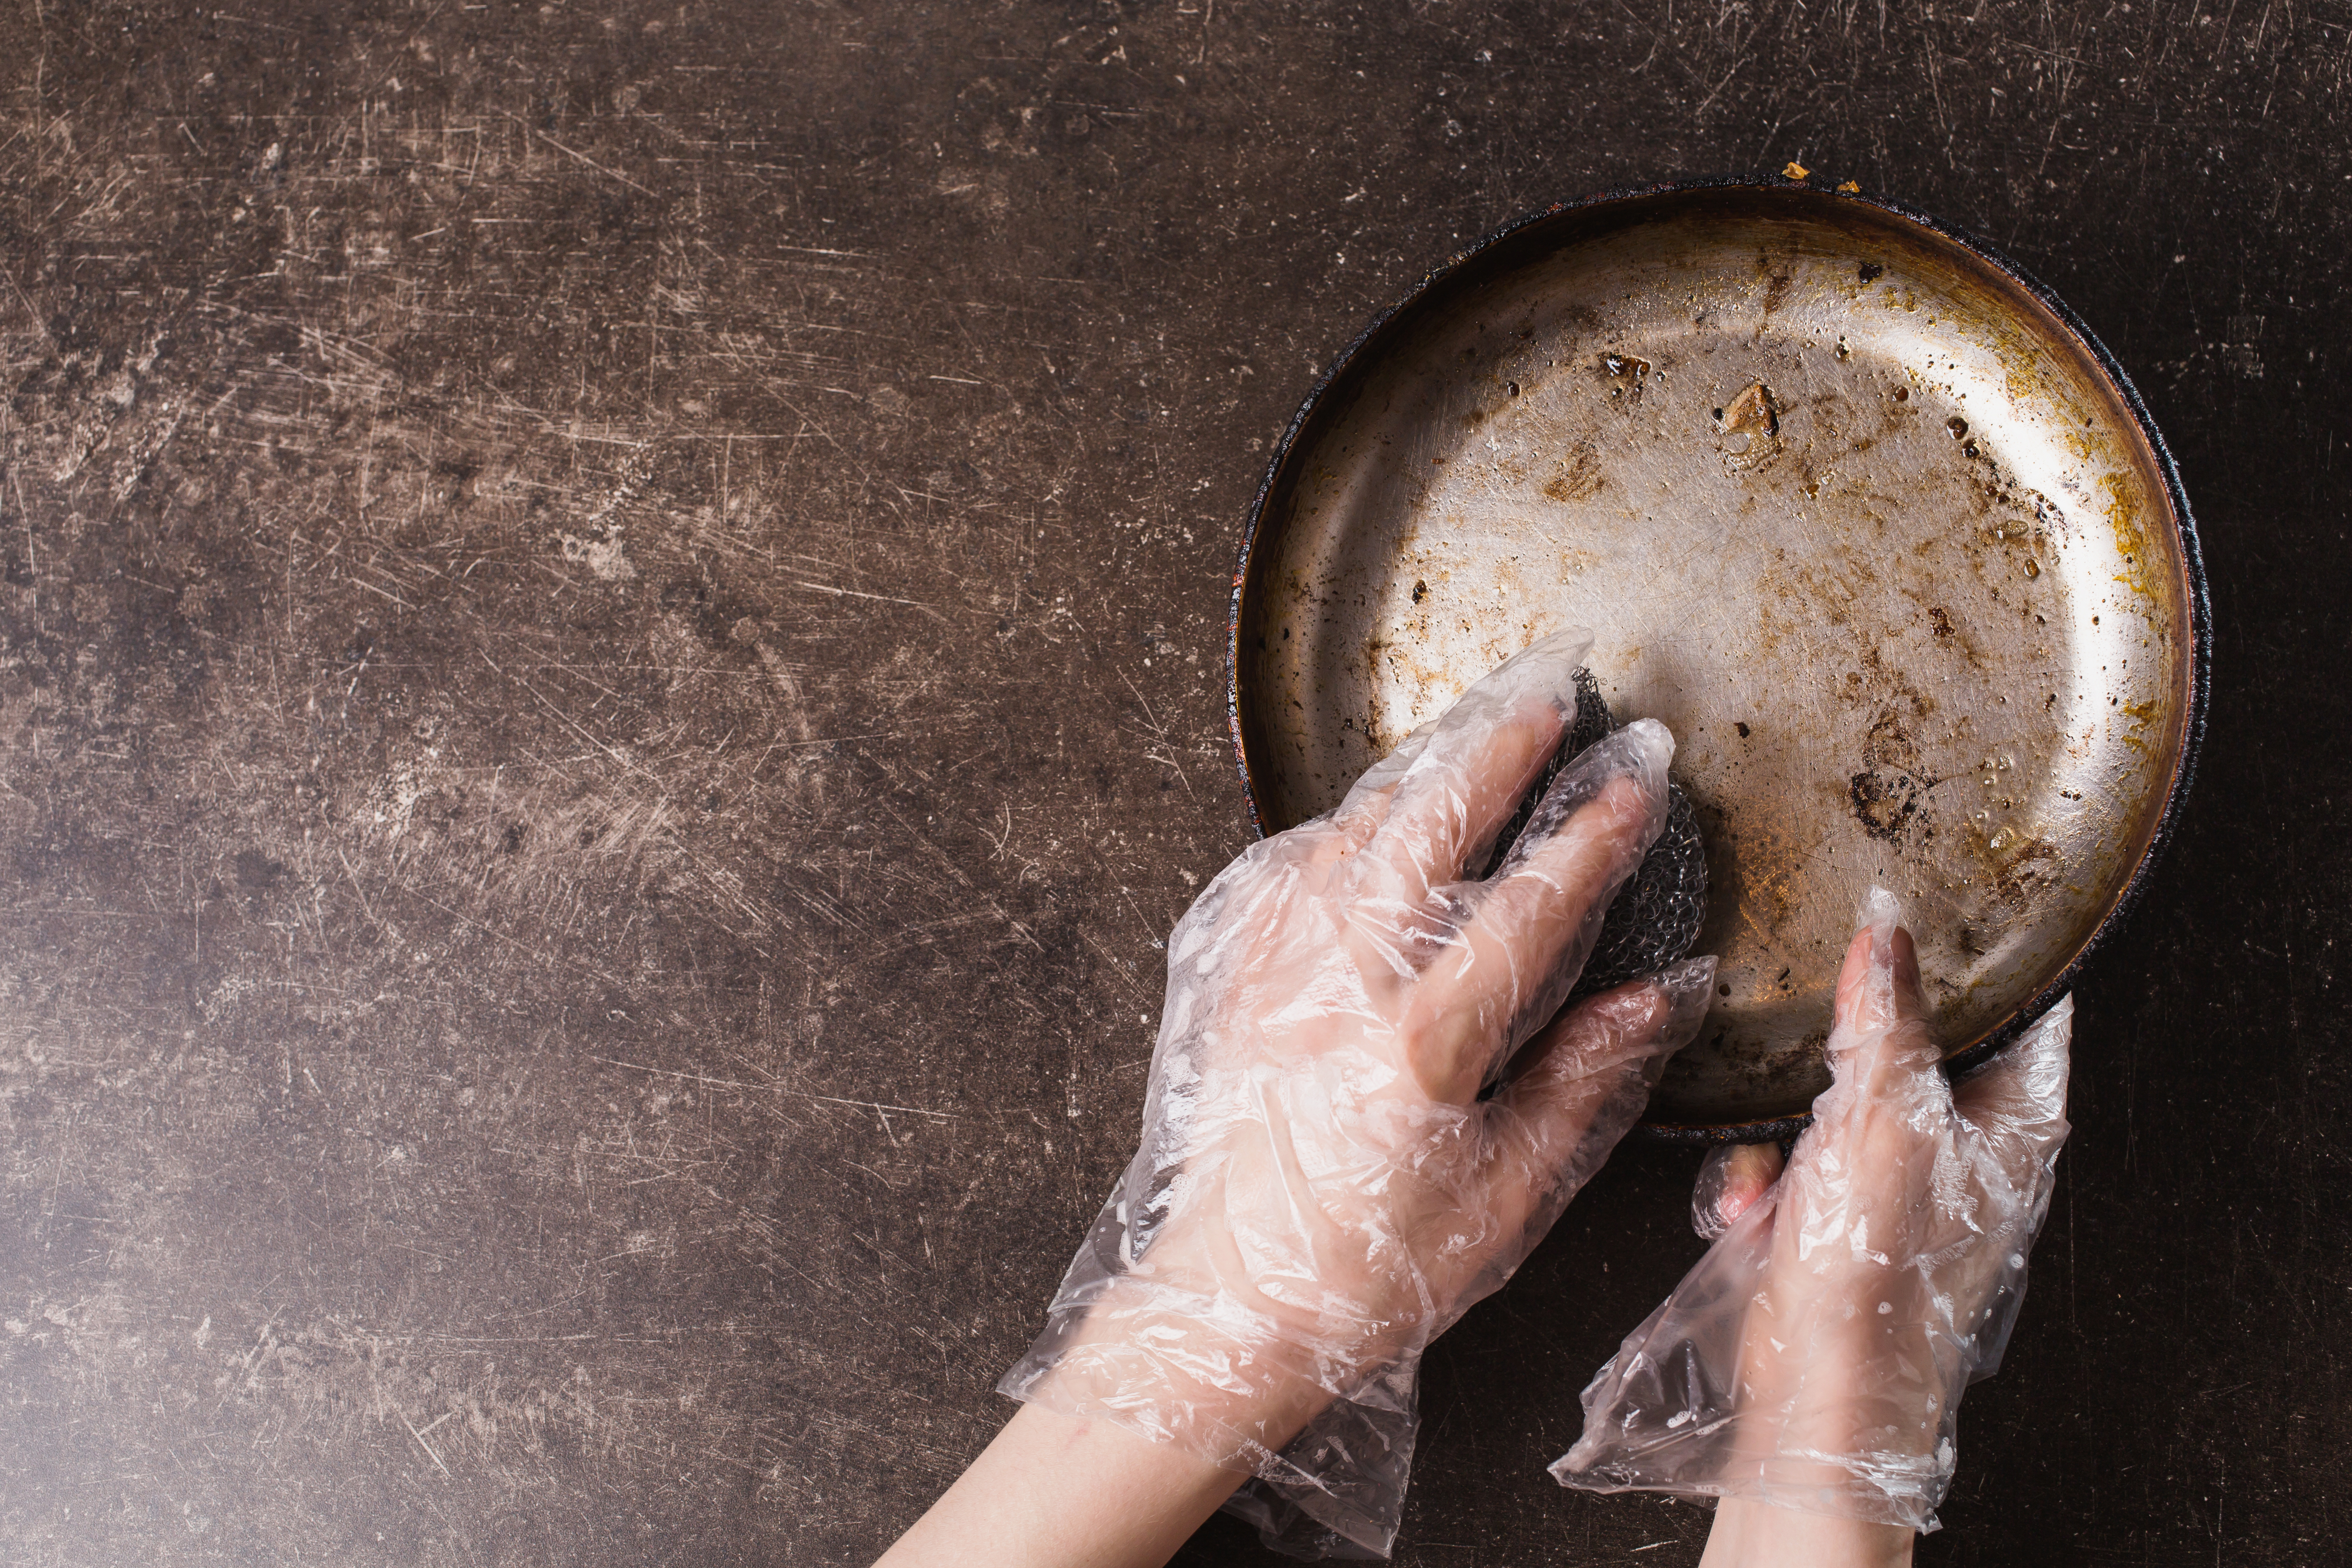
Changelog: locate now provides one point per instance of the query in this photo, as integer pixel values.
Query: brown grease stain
(1579, 476)
(2018, 873)
(2131, 541)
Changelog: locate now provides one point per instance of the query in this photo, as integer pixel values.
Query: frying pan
(1862, 513)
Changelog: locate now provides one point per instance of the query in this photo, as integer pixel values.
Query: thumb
(1875, 1131)
(1879, 1037)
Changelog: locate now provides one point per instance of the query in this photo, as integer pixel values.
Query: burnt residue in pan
(1877, 516)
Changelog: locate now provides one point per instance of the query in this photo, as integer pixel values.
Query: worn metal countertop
(610, 673)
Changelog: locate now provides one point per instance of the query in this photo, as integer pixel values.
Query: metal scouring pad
(1653, 920)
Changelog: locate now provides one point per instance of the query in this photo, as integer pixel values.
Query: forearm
(1750, 1534)
(1052, 1491)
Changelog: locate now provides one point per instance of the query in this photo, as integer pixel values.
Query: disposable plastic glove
(1815, 1357)
(1730, 1179)
(1321, 1189)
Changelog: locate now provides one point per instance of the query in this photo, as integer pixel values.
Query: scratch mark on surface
(574, 153)
(421, 1443)
(859, 593)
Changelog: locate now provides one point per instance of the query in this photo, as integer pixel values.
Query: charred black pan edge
(2200, 630)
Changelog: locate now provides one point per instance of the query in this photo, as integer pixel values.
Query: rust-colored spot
(1889, 745)
(1750, 423)
(1628, 372)
(2017, 873)
(1579, 476)
(1754, 409)
(2131, 543)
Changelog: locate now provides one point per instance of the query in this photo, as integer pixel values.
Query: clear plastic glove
(1815, 1357)
(1730, 1179)
(1321, 1188)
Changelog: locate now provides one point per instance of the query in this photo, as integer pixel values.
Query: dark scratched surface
(610, 626)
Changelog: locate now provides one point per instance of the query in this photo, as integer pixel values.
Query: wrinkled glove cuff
(1892, 1489)
(1224, 1384)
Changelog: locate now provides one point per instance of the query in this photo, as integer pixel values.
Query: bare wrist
(1053, 1491)
(1752, 1534)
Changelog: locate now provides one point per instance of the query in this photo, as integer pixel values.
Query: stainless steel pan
(1864, 514)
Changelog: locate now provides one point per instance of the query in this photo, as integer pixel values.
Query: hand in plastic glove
(1815, 1357)
(1321, 1189)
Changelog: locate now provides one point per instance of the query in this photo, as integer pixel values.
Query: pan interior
(1846, 507)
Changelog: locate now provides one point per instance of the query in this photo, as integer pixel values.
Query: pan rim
(2197, 597)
